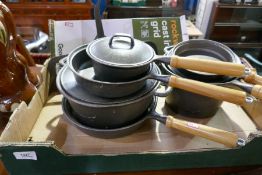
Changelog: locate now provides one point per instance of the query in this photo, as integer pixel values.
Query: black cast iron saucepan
(229, 139)
(77, 60)
(101, 112)
(123, 58)
(199, 106)
(84, 74)
(206, 50)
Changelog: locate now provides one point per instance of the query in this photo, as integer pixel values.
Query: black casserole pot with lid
(120, 57)
(82, 67)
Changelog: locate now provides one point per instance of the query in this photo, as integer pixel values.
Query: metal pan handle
(253, 78)
(165, 93)
(132, 42)
(255, 90)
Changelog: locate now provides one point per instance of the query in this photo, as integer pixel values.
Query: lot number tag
(29, 155)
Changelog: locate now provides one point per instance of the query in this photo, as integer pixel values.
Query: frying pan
(218, 51)
(224, 137)
(206, 50)
(68, 84)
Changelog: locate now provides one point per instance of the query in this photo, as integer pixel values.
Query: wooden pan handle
(257, 91)
(211, 66)
(210, 90)
(253, 78)
(218, 135)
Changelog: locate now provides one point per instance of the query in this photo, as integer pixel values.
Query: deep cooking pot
(123, 58)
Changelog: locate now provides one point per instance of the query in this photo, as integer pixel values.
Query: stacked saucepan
(194, 105)
(105, 101)
(109, 87)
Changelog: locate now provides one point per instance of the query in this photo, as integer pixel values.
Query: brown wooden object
(210, 90)
(227, 138)
(211, 66)
(37, 13)
(15, 84)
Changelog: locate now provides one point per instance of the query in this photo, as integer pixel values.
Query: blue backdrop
(102, 5)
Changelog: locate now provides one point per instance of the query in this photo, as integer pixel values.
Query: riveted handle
(210, 90)
(257, 92)
(132, 42)
(229, 139)
(211, 66)
(253, 78)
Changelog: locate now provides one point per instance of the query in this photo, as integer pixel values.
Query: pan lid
(120, 50)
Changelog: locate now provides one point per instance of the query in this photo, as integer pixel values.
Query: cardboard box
(37, 140)
(159, 32)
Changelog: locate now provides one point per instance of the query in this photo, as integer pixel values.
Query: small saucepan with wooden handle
(123, 58)
(211, 50)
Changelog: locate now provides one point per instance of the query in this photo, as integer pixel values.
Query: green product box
(129, 3)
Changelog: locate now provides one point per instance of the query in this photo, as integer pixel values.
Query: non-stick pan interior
(207, 48)
(70, 116)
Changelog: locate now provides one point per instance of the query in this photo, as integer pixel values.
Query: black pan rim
(65, 105)
(89, 104)
(80, 49)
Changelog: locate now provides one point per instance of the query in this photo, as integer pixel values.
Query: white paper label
(29, 155)
(193, 125)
